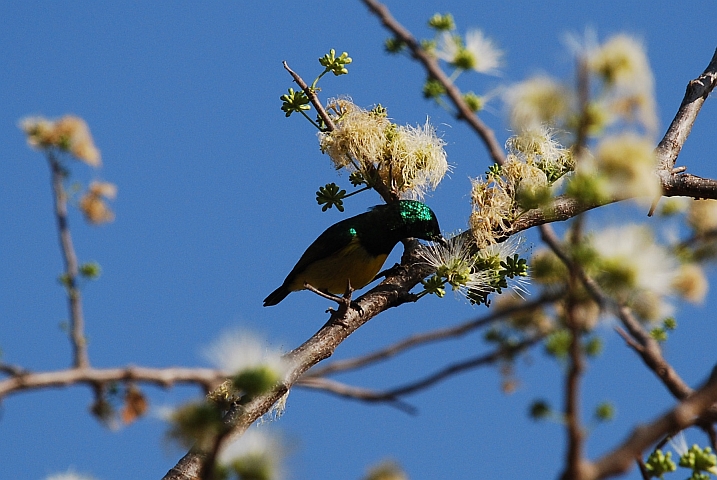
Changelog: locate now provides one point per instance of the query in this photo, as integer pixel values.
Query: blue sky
(216, 203)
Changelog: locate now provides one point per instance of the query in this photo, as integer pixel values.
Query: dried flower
(93, 205)
(70, 133)
(691, 283)
(702, 216)
(492, 210)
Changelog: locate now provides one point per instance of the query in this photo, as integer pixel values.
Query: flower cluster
(632, 267)
(471, 272)
(538, 101)
(254, 455)
(253, 369)
(252, 366)
(408, 159)
(70, 134)
(623, 167)
(534, 163)
(92, 204)
(620, 94)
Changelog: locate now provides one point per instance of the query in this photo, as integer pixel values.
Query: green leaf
(539, 410)
(329, 196)
(434, 285)
(433, 89)
(605, 412)
(393, 45)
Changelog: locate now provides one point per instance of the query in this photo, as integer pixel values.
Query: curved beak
(441, 241)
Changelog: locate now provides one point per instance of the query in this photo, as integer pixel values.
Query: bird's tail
(276, 296)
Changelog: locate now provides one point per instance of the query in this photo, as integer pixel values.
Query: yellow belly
(332, 273)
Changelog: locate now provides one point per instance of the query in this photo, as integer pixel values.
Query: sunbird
(355, 249)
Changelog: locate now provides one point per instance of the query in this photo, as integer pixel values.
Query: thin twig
(684, 415)
(695, 95)
(426, 338)
(313, 98)
(574, 454)
(377, 183)
(12, 370)
(429, 380)
(434, 71)
(164, 377)
(74, 298)
(355, 393)
(650, 350)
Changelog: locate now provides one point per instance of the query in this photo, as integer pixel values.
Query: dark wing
(334, 238)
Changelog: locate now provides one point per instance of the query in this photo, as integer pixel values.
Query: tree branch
(684, 415)
(434, 71)
(23, 380)
(428, 381)
(695, 95)
(74, 298)
(378, 184)
(354, 393)
(649, 350)
(429, 337)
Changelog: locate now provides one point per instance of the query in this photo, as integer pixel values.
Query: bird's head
(418, 221)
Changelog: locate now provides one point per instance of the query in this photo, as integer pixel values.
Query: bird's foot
(387, 272)
(344, 302)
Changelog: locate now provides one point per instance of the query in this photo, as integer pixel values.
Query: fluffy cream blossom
(416, 159)
(634, 268)
(255, 454)
(702, 216)
(621, 60)
(455, 262)
(629, 162)
(69, 475)
(359, 139)
(237, 351)
(537, 101)
(408, 159)
(479, 53)
(622, 64)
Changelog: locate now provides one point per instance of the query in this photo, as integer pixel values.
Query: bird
(356, 248)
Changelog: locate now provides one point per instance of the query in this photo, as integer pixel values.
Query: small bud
(605, 412)
(90, 270)
(539, 410)
(442, 23)
(255, 381)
